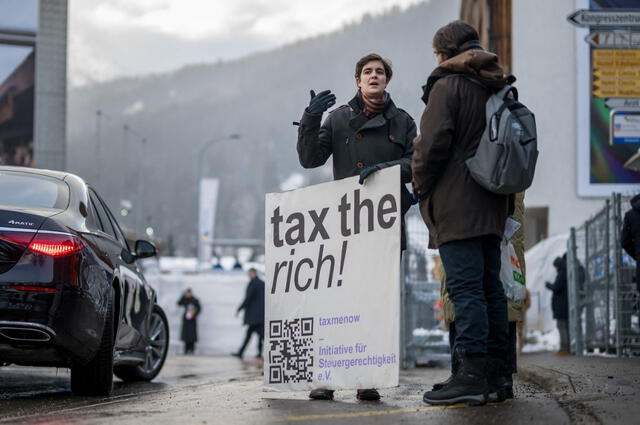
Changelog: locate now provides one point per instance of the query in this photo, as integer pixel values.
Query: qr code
(291, 351)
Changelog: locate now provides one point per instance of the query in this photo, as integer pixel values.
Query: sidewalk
(591, 389)
(224, 390)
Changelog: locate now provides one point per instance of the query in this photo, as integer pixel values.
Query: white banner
(207, 217)
(333, 285)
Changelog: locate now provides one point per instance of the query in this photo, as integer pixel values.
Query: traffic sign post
(616, 73)
(605, 18)
(614, 39)
(613, 117)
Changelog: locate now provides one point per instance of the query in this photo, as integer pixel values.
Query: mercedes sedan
(71, 292)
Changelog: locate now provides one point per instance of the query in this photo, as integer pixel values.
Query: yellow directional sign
(616, 92)
(607, 73)
(616, 73)
(616, 53)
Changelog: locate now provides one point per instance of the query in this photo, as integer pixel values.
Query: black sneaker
(238, 355)
(321, 394)
(369, 394)
(469, 385)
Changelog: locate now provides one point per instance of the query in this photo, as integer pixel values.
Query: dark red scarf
(372, 107)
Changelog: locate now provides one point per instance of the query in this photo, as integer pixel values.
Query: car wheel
(96, 377)
(155, 351)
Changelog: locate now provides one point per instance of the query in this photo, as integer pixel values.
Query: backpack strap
(502, 93)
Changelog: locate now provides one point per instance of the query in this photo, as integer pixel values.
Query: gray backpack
(505, 160)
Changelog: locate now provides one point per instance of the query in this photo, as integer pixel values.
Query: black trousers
(258, 329)
(472, 267)
(189, 347)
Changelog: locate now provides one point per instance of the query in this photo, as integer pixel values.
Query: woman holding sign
(367, 134)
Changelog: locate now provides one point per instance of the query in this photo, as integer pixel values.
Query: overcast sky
(109, 38)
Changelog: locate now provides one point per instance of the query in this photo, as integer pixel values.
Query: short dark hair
(252, 270)
(448, 39)
(386, 63)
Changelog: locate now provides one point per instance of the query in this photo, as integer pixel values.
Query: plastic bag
(511, 272)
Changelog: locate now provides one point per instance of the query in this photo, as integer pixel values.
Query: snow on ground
(537, 340)
(220, 293)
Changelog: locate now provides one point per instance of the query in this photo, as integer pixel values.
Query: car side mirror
(126, 256)
(145, 249)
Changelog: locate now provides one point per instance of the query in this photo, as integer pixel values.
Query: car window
(102, 214)
(93, 221)
(116, 226)
(26, 190)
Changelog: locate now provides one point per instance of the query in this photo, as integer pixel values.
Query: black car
(71, 293)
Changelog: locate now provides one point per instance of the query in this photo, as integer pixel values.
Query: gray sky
(110, 38)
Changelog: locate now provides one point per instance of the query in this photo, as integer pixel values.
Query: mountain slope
(257, 97)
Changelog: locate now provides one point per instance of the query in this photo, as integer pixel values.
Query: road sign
(616, 73)
(622, 103)
(614, 39)
(605, 18)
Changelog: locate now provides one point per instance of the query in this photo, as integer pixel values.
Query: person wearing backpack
(465, 220)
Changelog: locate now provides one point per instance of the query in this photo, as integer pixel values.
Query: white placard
(333, 285)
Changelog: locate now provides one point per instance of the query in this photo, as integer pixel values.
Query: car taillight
(15, 237)
(55, 244)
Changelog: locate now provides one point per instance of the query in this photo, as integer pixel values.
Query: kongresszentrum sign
(593, 18)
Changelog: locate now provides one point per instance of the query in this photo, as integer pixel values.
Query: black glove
(549, 285)
(366, 172)
(321, 102)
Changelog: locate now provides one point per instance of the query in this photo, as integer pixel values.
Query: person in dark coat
(253, 306)
(367, 134)
(465, 221)
(189, 332)
(630, 236)
(560, 302)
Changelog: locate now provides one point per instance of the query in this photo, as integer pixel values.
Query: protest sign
(333, 285)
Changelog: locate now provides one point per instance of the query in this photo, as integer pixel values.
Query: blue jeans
(472, 267)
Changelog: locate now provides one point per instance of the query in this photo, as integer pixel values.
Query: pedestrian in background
(189, 332)
(560, 303)
(465, 221)
(630, 237)
(367, 134)
(253, 306)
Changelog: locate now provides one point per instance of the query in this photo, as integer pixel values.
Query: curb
(556, 383)
(561, 388)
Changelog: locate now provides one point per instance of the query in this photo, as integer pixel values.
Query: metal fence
(424, 341)
(603, 299)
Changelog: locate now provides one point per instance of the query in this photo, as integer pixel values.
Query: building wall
(544, 61)
(51, 86)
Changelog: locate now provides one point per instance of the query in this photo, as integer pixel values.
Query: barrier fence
(424, 339)
(603, 299)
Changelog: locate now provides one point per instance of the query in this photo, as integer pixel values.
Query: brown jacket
(453, 205)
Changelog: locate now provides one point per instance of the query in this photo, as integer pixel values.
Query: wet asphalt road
(221, 390)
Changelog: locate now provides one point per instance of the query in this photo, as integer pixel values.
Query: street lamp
(206, 146)
(203, 213)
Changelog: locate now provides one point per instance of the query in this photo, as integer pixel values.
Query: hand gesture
(321, 102)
